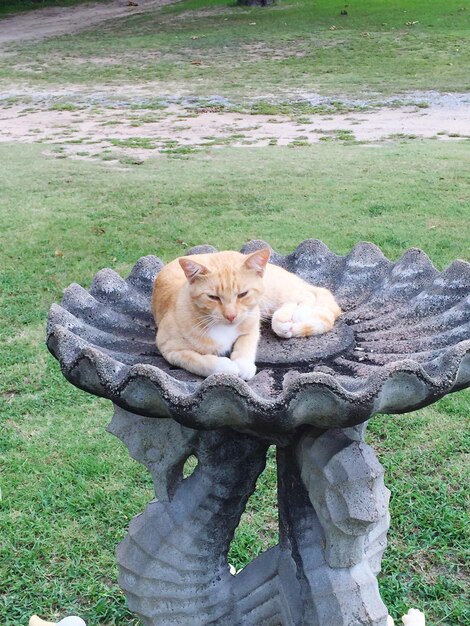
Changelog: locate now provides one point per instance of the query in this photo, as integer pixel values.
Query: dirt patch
(111, 133)
(54, 21)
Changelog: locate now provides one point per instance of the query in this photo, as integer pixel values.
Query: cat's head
(228, 286)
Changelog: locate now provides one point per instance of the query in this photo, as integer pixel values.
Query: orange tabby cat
(207, 306)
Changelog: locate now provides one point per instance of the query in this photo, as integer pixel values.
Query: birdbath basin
(402, 342)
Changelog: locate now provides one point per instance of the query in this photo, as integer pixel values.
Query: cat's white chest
(224, 336)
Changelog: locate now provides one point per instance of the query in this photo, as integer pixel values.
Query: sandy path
(52, 21)
(91, 132)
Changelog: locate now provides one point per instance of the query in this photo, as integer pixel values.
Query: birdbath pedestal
(402, 343)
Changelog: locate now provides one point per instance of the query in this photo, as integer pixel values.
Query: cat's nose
(230, 316)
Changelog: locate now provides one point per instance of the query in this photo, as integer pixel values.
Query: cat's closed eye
(213, 297)
(242, 294)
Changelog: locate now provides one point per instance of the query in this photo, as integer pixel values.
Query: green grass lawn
(70, 489)
(209, 47)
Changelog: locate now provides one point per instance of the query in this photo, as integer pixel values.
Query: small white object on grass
(73, 620)
(414, 617)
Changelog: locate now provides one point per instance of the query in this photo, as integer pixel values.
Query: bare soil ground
(53, 21)
(92, 131)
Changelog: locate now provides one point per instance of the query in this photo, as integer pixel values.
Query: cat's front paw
(225, 365)
(246, 368)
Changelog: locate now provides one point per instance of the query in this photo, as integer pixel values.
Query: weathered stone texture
(402, 343)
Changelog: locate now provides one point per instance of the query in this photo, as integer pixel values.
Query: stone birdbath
(401, 344)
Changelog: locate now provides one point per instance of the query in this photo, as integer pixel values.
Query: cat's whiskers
(205, 324)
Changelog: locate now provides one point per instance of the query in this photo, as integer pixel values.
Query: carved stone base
(333, 520)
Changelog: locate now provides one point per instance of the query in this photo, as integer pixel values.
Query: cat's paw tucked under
(246, 368)
(301, 320)
(281, 322)
(225, 365)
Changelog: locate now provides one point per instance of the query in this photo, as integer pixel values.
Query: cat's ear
(192, 269)
(257, 260)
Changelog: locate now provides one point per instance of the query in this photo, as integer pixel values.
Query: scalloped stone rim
(341, 393)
